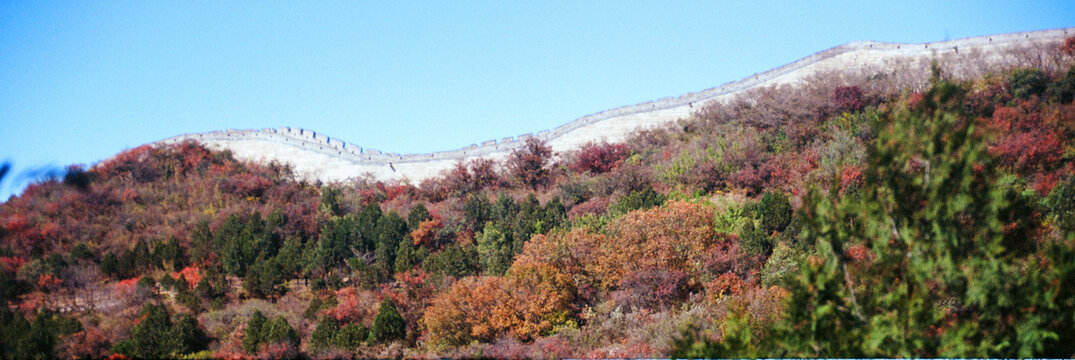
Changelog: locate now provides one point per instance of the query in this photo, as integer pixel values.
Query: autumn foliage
(611, 250)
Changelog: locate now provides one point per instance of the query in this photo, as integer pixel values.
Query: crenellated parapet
(318, 156)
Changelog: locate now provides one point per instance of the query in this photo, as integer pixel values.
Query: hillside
(918, 212)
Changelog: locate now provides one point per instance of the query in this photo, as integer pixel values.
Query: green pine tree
(388, 325)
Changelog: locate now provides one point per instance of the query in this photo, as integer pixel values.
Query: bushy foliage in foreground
(935, 257)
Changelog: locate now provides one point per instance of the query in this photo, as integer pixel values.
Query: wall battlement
(317, 156)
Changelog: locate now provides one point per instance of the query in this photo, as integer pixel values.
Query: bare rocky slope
(320, 157)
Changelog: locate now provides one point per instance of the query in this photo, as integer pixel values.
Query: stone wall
(320, 157)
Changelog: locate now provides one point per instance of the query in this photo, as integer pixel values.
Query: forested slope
(836, 218)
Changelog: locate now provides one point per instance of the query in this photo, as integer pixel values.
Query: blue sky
(82, 81)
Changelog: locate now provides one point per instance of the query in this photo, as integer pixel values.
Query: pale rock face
(317, 157)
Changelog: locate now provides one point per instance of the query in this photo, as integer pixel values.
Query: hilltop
(325, 158)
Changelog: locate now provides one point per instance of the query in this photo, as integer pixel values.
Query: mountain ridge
(320, 157)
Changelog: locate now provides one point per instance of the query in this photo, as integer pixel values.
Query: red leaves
(851, 176)
(463, 179)
(847, 98)
(915, 100)
(652, 289)
(1069, 46)
(11, 264)
(600, 158)
(16, 223)
(354, 305)
(1022, 141)
(246, 184)
(1030, 150)
(527, 164)
(124, 162)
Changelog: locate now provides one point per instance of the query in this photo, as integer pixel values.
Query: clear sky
(81, 81)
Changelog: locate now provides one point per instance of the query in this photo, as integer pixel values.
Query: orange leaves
(571, 253)
(527, 303)
(540, 288)
(426, 232)
(540, 297)
(191, 274)
(48, 282)
(674, 237)
(464, 312)
(724, 285)
(126, 287)
(679, 236)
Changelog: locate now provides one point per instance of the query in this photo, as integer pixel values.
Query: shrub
(955, 218)
(324, 334)
(774, 211)
(388, 325)
(453, 260)
(600, 158)
(637, 200)
(847, 98)
(313, 308)
(352, 305)
(747, 178)
(155, 336)
(464, 312)
(476, 211)
(351, 336)
(187, 336)
(425, 234)
(254, 333)
(754, 241)
(677, 236)
(528, 164)
(418, 214)
(330, 201)
(261, 331)
(495, 250)
(22, 339)
(575, 192)
(81, 252)
(1063, 89)
(279, 331)
(189, 300)
(782, 266)
(1027, 82)
(1061, 204)
(651, 289)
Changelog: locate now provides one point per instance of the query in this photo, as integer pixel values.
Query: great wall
(319, 157)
